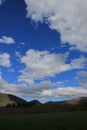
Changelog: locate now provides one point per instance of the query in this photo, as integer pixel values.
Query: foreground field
(53, 121)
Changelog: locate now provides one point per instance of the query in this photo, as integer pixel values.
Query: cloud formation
(22, 90)
(5, 60)
(69, 17)
(7, 40)
(65, 92)
(42, 64)
(42, 90)
(82, 78)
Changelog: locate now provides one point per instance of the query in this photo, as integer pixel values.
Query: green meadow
(51, 121)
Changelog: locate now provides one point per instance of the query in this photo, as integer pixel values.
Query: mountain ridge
(77, 100)
(13, 104)
(9, 99)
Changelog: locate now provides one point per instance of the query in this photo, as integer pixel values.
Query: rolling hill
(13, 104)
(80, 100)
(8, 99)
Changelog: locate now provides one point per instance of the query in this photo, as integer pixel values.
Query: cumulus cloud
(7, 40)
(42, 64)
(34, 90)
(78, 63)
(22, 90)
(82, 78)
(69, 17)
(42, 90)
(65, 92)
(5, 60)
(5, 87)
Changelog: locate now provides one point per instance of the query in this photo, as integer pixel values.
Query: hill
(77, 104)
(34, 102)
(8, 99)
(75, 101)
(10, 104)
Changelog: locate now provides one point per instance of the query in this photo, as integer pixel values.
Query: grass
(51, 121)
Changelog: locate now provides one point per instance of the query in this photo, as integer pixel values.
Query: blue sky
(43, 49)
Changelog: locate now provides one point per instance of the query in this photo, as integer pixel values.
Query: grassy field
(53, 121)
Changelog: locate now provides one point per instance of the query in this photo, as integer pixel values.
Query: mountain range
(13, 104)
(8, 99)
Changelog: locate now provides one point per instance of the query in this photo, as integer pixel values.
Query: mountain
(34, 102)
(10, 100)
(77, 104)
(75, 101)
(13, 104)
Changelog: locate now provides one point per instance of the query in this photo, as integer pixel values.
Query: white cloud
(78, 63)
(44, 89)
(22, 90)
(10, 88)
(65, 92)
(42, 64)
(5, 60)
(35, 89)
(7, 40)
(69, 17)
(82, 78)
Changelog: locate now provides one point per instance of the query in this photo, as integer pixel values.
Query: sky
(43, 49)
